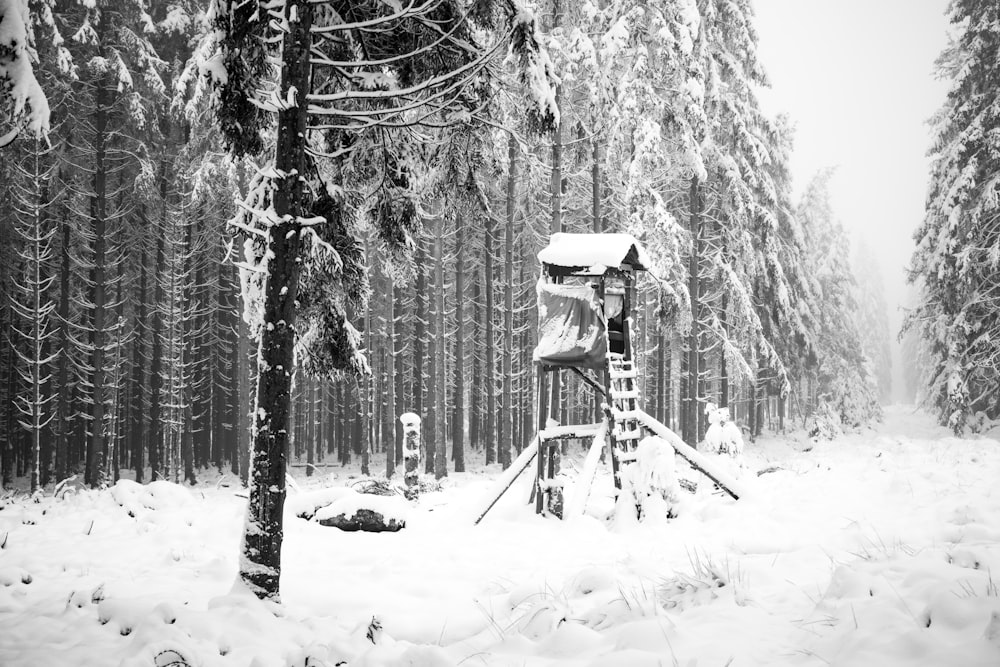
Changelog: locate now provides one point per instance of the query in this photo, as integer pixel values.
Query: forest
(226, 222)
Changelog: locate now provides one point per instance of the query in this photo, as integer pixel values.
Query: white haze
(857, 79)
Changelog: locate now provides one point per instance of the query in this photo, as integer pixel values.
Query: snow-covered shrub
(649, 482)
(824, 424)
(723, 435)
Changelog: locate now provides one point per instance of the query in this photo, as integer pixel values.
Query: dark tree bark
(244, 404)
(419, 370)
(692, 419)
(398, 348)
(489, 366)
(98, 213)
(440, 350)
(64, 410)
(507, 414)
(475, 391)
(389, 437)
(260, 566)
(458, 406)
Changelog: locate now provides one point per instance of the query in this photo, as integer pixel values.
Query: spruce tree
(956, 263)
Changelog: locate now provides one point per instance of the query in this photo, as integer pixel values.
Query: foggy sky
(857, 79)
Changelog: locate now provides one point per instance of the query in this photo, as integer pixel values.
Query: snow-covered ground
(875, 549)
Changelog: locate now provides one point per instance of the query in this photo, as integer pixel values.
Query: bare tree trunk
(475, 391)
(366, 401)
(489, 366)
(260, 566)
(692, 419)
(419, 371)
(400, 391)
(507, 416)
(440, 350)
(98, 212)
(389, 438)
(723, 368)
(597, 223)
(458, 408)
(64, 409)
(556, 185)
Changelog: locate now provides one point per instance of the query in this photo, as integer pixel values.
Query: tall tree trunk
(389, 436)
(156, 370)
(398, 350)
(440, 350)
(723, 367)
(475, 391)
(458, 408)
(310, 415)
(507, 415)
(260, 566)
(489, 365)
(243, 400)
(137, 430)
(556, 400)
(189, 327)
(98, 212)
(692, 420)
(420, 387)
(64, 409)
(597, 223)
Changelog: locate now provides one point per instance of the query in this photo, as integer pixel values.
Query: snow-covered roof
(596, 252)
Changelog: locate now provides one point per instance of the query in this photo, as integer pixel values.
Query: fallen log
(365, 520)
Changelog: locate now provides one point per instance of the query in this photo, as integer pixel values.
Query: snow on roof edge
(609, 250)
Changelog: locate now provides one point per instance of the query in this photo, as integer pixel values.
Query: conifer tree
(957, 259)
(845, 387)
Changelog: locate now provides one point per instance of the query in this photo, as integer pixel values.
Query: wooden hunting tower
(586, 297)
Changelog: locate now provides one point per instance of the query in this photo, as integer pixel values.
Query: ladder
(622, 411)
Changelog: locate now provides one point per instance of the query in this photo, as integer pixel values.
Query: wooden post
(542, 396)
(411, 450)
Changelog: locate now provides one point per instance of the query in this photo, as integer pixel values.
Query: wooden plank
(506, 479)
(694, 457)
(578, 502)
(570, 431)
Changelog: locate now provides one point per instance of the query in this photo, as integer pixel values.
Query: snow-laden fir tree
(111, 109)
(735, 272)
(873, 319)
(957, 259)
(352, 76)
(22, 102)
(844, 387)
(31, 300)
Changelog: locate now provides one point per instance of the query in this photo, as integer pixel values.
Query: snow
(410, 422)
(17, 79)
(595, 251)
(880, 548)
(392, 508)
(723, 435)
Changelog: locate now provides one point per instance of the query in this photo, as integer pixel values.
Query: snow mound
(650, 489)
(304, 505)
(345, 506)
(138, 499)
